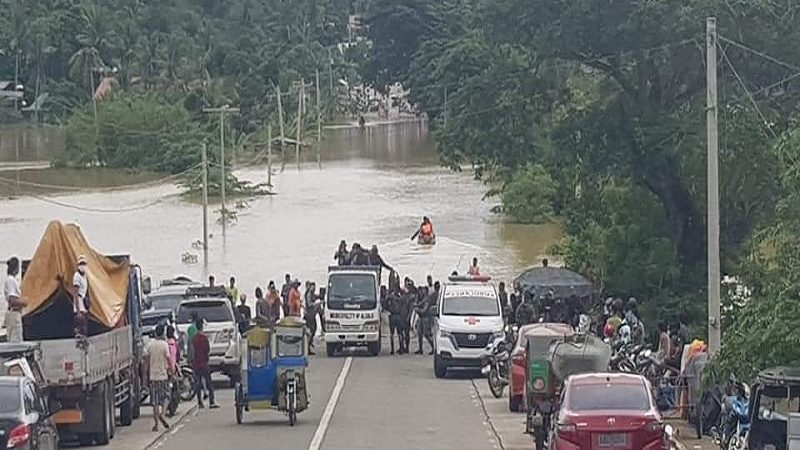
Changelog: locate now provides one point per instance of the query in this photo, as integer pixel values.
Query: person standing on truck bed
(295, 303)
(80, 298)
(358, 256)
(16, 303)
(202, 350)
(159, 369)
(243, 312)
(342, 256)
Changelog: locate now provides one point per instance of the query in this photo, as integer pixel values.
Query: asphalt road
(385, 402)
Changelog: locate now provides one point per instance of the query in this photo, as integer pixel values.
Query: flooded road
(374, 186)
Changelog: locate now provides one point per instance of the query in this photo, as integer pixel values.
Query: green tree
(528, 197)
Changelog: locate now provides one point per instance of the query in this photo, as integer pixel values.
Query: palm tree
(93, 40)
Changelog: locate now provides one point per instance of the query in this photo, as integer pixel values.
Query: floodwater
(373, 187)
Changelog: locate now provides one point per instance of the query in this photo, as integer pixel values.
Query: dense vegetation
(169, 59)
(605, 100)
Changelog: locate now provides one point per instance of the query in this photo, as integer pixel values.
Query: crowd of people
(359, 256)
(410, 306)
(273, 305)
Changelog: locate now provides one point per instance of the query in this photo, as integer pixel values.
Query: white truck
(89, 378)
(353, 309)
(468, 318)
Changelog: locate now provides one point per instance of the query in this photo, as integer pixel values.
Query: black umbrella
(564, 283)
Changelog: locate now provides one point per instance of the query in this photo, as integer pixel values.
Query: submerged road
(358, 402)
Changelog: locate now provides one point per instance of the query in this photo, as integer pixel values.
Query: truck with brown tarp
(89, 377)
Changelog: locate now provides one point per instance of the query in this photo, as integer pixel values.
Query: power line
(91, 209)
(747, 91)
(101, 189)
(759, 53)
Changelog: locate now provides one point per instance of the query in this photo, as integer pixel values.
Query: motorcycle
(624, 358)
(734, 424)
(181, 388)
(494, 363)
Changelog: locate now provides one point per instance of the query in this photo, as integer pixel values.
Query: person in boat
(342, 256)
(474, 270)
(425, 231)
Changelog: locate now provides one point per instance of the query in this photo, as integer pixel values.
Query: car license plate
(611, 440)
(485, 369)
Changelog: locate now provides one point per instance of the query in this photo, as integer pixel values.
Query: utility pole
(714, 275)
(301, 93)
(445, 106)
(280, 124)
(222, 111)
(319, 125)
(205, 207)
(269, 155)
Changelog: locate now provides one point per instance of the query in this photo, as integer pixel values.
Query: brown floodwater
(373, 187)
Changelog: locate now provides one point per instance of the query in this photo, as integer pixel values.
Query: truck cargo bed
(86, 361)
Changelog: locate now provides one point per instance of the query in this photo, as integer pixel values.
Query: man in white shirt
(80, 292)
(16, 304)
(158, 371)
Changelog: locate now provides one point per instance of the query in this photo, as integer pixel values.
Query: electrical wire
(92, 209)
(747, 91)
(759, 53)
(101, 189)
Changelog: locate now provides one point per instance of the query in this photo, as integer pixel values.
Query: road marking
(319, 435)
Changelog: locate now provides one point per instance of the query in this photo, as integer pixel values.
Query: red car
(518, 376)
(608, 411)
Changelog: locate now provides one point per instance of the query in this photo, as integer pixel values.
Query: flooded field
(374, 186)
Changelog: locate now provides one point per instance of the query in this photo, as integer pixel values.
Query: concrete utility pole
(445, 107)
(205, 207)
(280, 124)
(222, 111)
(301, 93)
(319, 124)
(269, 155)
(714, 275)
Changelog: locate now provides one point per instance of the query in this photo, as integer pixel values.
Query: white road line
(319, 435)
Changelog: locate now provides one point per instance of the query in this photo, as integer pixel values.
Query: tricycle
(273, 371)
(553, 355)
(774, 410)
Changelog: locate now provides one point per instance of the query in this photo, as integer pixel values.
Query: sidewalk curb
(156, 442)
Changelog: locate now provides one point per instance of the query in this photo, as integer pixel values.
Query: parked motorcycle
(734, 424)
(494, 363)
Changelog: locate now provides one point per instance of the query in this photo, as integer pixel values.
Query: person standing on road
(311, 313)
(503, 295)
(243, 312)
(202, 350)
(424, 323)
(211, 281)
(16, 304)
(268, 310)
(233, 292)
(285, 294)
(80, 298)
(159, 368)
(295, 305)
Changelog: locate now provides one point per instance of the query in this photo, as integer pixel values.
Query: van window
(470, 306)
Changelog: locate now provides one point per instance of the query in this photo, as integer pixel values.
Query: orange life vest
(426, 229)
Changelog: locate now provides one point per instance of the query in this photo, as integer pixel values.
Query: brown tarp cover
(53, 266)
